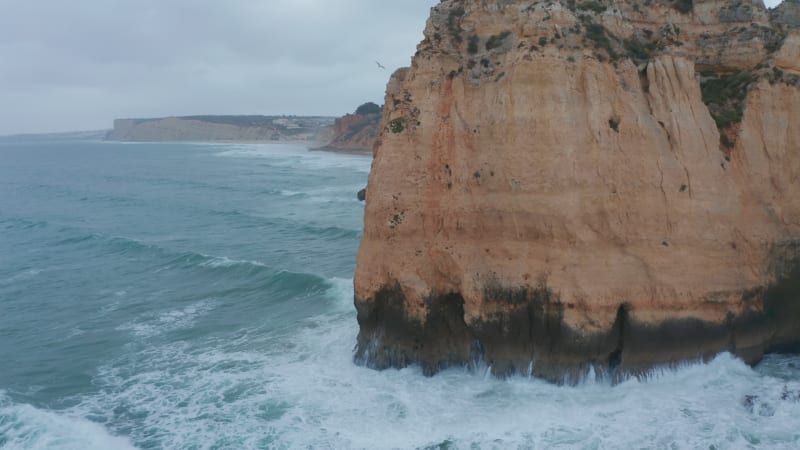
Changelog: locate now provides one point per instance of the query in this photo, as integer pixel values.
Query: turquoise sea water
(200, 296)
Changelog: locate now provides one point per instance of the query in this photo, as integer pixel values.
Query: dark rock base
(530, 336)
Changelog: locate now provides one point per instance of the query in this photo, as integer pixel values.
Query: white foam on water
(336, 194)
(149, 324)
(288, 193)
(224, 261)
(401, 409)
(341, 292)
(301, 390)
(23, 275)
(25, 427)
(297, 155)
(74, 332)
(115, 299)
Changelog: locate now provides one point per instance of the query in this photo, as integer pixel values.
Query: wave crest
(23, 426)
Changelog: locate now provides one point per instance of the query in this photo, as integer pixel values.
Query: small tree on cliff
(368, 108)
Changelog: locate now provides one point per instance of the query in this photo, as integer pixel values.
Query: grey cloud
(78, 65)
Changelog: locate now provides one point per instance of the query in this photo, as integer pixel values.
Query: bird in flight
(380, 65)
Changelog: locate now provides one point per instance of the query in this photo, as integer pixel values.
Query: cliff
(355, 133)
(560, 185)
(219, 128)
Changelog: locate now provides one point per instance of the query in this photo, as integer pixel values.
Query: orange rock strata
(551, 191)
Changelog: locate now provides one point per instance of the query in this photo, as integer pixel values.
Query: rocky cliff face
(356, 132)
(561, 185)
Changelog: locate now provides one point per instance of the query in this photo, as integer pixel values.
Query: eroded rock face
(355, 132)
(559, 186)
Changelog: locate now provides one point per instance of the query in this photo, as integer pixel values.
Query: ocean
(198, 296)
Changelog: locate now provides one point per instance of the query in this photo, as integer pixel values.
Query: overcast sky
(77, 65)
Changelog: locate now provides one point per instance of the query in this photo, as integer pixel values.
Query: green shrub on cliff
(497, 40)
(725, 97)
(397, 126)
(726, 141)
(640, 50)
(454, 23)
(472, 46)
(594, 6)
(596, 33)
(683, 6)
(368, 108)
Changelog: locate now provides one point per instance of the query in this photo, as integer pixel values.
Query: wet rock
(790, 395)
(754, 405)
(362, 195)
(749, 402)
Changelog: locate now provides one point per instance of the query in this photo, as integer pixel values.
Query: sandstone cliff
(561, 185)
(355, 132)
(219, 129)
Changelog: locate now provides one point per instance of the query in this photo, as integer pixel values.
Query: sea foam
(25, 427)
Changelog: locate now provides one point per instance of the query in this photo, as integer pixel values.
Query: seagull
(380, 65)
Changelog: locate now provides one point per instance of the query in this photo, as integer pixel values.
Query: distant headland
(353, 133)
(212, 128)
(357, 132)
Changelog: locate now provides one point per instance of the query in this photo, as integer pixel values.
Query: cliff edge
(566, 185)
